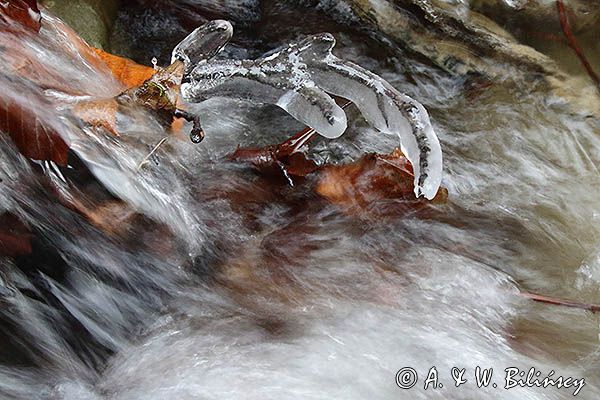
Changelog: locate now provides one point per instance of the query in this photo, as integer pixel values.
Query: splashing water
(216, 285)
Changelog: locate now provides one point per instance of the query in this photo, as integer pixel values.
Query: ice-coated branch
(203, 43)
(297, 77)
(384, 107)
(277, 79)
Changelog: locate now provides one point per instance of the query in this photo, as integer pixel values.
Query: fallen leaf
(374, 181)
(157, 90)
(112, 216)
(21, 13)
(35, 138)
(27, 115)
(21, 55)
(283, 159)
(15, 238)
(24, 110)
(128, 72)
(161, 91)
(99, 114)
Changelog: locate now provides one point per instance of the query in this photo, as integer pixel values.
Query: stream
(202, 279)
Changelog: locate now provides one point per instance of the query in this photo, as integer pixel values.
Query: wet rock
(146, 29)
(541, 14)
(143, 31)
(537, 24)
(92, 19)
(468, 43)
(195, 12)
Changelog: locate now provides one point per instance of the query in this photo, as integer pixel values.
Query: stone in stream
(540, 14)
(466, 43)
(92, 19)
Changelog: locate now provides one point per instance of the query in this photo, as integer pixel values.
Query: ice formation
(297, 77)
(203, 43)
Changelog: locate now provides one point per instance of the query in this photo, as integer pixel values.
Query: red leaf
(283, 158)
(33, 137)
(15, 238)
(22, 12)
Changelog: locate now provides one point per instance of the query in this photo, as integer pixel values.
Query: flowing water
(210, 283)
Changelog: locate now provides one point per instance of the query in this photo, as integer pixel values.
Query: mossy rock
(92, 19)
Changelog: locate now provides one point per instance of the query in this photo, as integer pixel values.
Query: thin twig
(561, 302)
(145, 160)
(566, 28)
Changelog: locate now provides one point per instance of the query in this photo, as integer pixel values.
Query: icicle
(382, 105)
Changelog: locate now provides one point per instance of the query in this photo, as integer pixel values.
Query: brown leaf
(25, 113)
(157, 90)
(33, 137)
(25, 117)
(267, 162)
(384, 181)
(21, 13)
(99, 113)
(281, 159)
(15, 238)
(128, 72)
(159, 93)
(112, 216)
(21, 59)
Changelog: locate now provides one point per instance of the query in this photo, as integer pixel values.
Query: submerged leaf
(21, 12)
(374, 179)
(283, 159)
(156, 89)
(15, 238)
(382, 183)
(161, 91)
(99, 114)
(35, 138)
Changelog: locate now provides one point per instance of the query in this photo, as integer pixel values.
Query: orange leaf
(128, 72)
(99, 113)
(157, 90)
